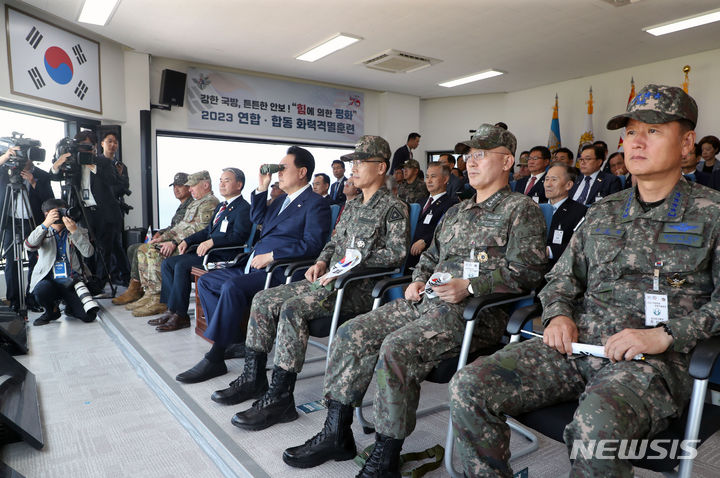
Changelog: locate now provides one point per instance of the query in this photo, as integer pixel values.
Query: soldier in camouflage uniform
(377, 225)
(494, 242)
(134, 290)
(150, 255)
(412, 189)
(597, 294)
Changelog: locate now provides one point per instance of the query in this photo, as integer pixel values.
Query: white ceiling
(535, 42)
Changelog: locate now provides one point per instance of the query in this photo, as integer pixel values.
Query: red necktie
(530, 185)
(427, 205)
(220, 211)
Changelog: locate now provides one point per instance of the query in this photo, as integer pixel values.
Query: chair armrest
(703, 358)
(522, 316)
(478, 304)
(382, 286)
(366, 273)
(297, 265)
(279, 263)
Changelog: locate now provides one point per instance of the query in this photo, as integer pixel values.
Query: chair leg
(692, 429)
(368, 427)
(531, 437)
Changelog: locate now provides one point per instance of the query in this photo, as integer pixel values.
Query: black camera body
(30, 150)
(73, 213)
(80, 154)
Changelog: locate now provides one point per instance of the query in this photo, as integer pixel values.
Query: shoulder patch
(395, 215)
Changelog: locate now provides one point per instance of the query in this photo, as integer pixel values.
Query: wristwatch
(666, 328)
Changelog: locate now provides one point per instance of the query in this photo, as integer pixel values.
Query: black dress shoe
(203, 370)
(234, 351)
(47, 317)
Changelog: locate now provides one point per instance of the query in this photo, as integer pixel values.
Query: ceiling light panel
(337, 42)
(97, 12)
(684, 24)
(483, 75)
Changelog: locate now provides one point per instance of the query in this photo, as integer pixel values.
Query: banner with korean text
(237, 103)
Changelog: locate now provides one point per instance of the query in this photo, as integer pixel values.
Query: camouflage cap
(411, 163)
(370, 147)
(195, 178)
(179, 179)
(658, 104)
(488, 136)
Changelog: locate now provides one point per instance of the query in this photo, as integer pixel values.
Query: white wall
(444, 121)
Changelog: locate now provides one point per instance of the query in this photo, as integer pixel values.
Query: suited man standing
(567, 213)
(336, 189)
(593, 184)
(534, 185)
(230, 226)
(404, 153)
(440, 200)
(36, 183)
(455, 184)
(296, 225)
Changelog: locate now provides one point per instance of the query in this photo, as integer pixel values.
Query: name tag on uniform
(60, 270)
(224, 225)
(428, 218)
(557, 236)
(656, 309)
(471, 269)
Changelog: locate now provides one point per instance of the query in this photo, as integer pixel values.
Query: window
(192, 154)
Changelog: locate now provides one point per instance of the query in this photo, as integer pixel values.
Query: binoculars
(271, 168)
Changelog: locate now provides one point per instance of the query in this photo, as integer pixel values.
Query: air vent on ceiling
(620, 3)
(394, 61)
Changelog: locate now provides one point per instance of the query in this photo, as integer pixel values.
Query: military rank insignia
(675, 281)
(482, 256)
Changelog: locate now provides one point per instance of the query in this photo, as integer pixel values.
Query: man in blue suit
(230, 226)
(593, 184)
(295, 225)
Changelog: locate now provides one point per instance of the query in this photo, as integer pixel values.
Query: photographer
(58, 267)
(37, 185)
(95, 184)
(120, 268)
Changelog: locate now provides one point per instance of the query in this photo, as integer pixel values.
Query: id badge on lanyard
(471, 268)
(656, 303)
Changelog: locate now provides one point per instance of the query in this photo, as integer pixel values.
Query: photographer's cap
(370, 147)
(195, 178)
(658, 104)
(180, 179)
(488, 136)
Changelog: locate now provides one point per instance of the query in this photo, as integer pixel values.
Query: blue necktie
(585, 191)
(285, 204)
(690, 177)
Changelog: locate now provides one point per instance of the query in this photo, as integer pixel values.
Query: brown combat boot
(152, 307)
(133, 293)
(139, 303)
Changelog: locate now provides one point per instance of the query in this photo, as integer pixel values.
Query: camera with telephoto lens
(80, 154)
(29, 150)
(73, 213)
(89, 305)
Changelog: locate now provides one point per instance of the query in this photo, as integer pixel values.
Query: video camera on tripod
(80, 154)
(29, 150)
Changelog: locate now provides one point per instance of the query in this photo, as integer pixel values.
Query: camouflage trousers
(132, 256)
(286, 310)
(401, 342)
(623, 400)
(149, 261)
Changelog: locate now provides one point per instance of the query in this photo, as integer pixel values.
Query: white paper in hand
(352, 259)
(438, 278)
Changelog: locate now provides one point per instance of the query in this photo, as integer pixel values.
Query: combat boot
(152, 307)
(133, 293)
(334, 442)
(251, 384)
(276, 406)
(384, 461)
(139, 303)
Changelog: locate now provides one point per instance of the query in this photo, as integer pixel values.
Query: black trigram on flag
(81, 89)
(34, 37)
(79, 54)
(36, 78)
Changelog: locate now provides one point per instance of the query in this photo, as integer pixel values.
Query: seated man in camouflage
(376, 225)
(640, 276)
(151, 255)
(413, 188)
(494, 242)
(182, 194)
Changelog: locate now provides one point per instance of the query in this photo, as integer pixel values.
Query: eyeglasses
(482, 154)
(588, 159)
(358, 162)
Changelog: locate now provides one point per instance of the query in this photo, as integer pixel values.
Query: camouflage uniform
(415, 192)
(381, 233)
(600, 282)
(198, 215)
(506, 235)
(133, 248)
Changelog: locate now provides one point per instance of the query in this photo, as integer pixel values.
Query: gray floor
(111, 407)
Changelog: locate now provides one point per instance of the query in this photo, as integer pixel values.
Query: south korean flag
(53, 64)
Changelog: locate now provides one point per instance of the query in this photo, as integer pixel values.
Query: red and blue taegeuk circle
(58, 65)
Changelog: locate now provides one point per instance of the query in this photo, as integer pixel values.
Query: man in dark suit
(404, 152)
(321, 186)
(36, 183)
(455, 183)
(336, 189)
(566, 213)
(534, 185)
(296, 225)
(230, 226)
(436, 180)
(689, 164)
(97, 185)
(593, 184)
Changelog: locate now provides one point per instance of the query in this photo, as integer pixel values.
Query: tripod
(16, 196)
(71, 195)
